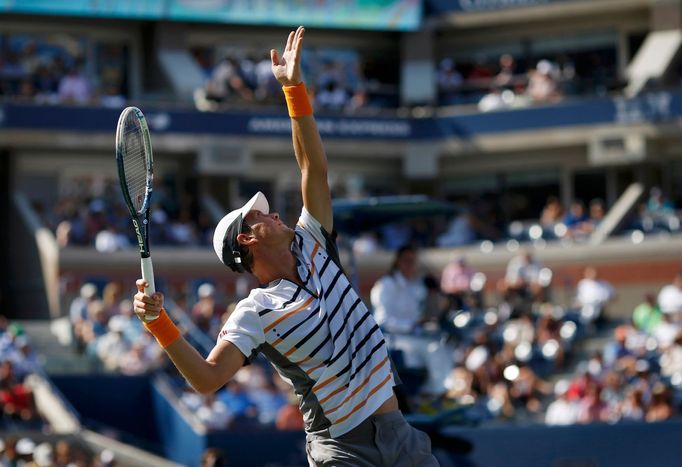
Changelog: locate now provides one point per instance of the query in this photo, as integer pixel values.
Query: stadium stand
(550, 130)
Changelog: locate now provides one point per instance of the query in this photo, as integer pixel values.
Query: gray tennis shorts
(381, 440)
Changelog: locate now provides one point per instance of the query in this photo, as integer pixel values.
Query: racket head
(135, 169)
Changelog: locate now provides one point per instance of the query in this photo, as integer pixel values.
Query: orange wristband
(298, 101)
(163, 329)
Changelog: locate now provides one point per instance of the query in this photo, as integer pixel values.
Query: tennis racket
(134, 160)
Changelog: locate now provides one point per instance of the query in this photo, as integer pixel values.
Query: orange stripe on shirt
(312, 258)
(356, 390)
(364, 401)
(324, 383)
(314, 368)
(275, 323)
(333, 393)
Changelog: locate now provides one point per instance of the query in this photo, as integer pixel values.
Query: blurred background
(527, 152)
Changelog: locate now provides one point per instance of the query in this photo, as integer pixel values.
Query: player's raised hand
(147, 308)
(287, 67)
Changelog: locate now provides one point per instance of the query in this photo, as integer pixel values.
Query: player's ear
(246, 239)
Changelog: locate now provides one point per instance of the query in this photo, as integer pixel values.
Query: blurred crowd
(23, 451)
(513, 82)
(92, 212)
(256, 398)
(17, 362)
(480, 221)
(492, 359)
(487, 350)
(637, 376)
(105, 328)
(53, 70)
(337, 80)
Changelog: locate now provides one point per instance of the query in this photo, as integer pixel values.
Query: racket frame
(139, 218)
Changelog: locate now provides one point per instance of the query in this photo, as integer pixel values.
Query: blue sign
(468, 6)
(400, 15)
(651, 107)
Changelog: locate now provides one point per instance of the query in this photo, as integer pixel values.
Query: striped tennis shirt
(320, 337)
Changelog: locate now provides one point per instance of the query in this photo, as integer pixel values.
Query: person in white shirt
(399, 303)
(670, 296)
(525, 278)
(593, 294)
(562, 411)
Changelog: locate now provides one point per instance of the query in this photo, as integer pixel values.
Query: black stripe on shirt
(331, 285)
(340, 302)
(311, 333)
(348, 341)
(345, 319)
(286, 304)
(367, 359)
(293, 328)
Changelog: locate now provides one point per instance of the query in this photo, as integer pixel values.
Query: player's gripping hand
(147, 308)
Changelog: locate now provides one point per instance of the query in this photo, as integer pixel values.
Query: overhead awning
(652, 59)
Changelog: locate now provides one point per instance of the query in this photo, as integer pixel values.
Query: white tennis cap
(225, 241)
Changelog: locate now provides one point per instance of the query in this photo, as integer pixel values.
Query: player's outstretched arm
(204, 375)
(308, 147)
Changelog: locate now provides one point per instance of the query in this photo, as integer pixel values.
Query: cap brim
(258, 202)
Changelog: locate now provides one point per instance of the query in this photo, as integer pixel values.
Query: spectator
(449, 78)
(666, 331)
(577, 221)
(632, 408)
(460, 231)
(112, 293)
(78, 313)
(332, 97)
(16, 399)
(95, 327)
(399, 300)
(525, 279)
(593, 295)
(597, 213)
(542, 86)
(661, 407)
(226, 82)
(505, 76)
(616, 349)
(206, 313)
(9, 457)
(110, 240)
(289, 416)
(74, 87)
(112, 346)
(591, 407)
(671, 358)
(647, 315)
(64, 453)
(25, 447)
(496, 99)
(670, 296)
(455, 282)
(528, 388)
(561, 411)
(552, 213)
(213, 457)
(214, 413)
(658, 205)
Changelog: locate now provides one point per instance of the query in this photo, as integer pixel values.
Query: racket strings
(135, 162)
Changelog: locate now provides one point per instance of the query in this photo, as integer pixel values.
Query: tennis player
(308, 321)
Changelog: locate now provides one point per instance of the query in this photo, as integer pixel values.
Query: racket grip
(148, 275)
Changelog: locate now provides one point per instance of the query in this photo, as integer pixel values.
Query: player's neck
(273, 264)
